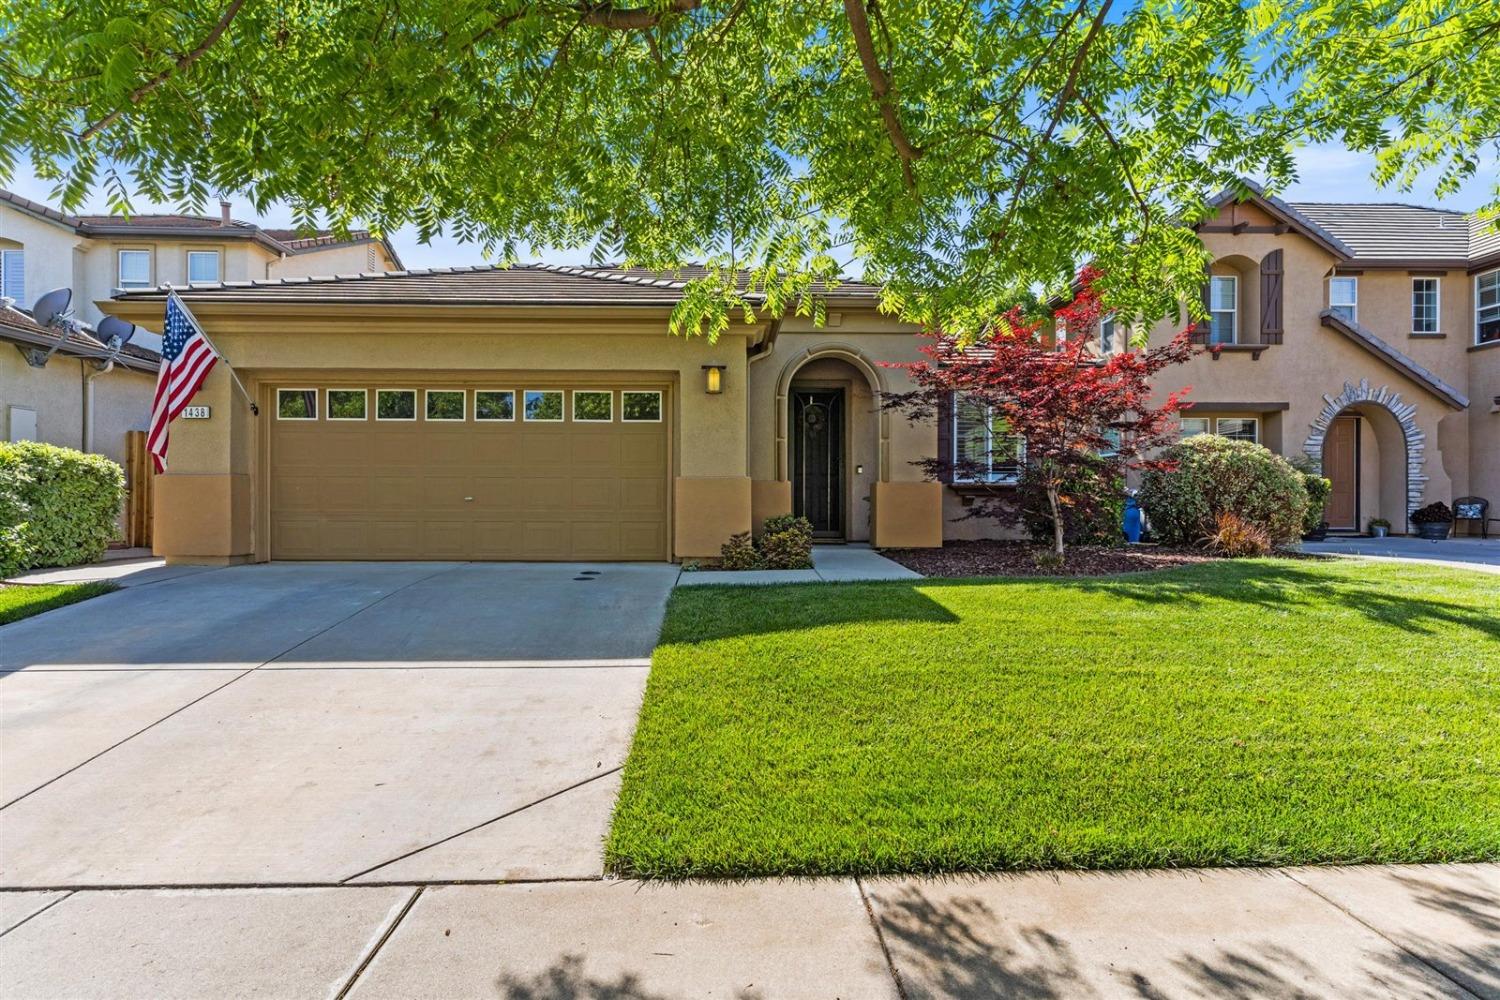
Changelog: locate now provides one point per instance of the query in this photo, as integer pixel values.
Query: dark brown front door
(818, 459)
(1341, 466)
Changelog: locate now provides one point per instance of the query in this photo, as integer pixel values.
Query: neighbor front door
(1341, 467)
(818, 459)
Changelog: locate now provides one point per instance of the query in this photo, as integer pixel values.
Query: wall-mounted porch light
(713, 379)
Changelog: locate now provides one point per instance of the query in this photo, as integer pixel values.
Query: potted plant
(1433, 521)
(1379, 527)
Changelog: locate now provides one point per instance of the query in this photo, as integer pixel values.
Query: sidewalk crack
(890, 962)
(380, 941)
(480, 826)
(1384, 937)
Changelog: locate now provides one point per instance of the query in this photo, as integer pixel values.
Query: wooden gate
(140, 474)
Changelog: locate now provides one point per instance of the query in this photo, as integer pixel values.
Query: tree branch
(859, 24)
(607, 15)
(140, 93)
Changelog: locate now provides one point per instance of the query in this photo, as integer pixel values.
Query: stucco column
(202, 502)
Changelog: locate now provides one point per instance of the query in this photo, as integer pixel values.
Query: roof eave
(1286, 214)
(1395, 359)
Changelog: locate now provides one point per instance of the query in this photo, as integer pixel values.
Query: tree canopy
(967, 154)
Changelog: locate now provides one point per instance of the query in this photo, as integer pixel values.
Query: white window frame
(562, 410)
(328, 404)
(1493, 309)
(1437, 304)
(1254, 422)
(992, 478)
(287, 388)
(660, 404)
(397, 420)
(573, 394)
(495, 420)
(463, 407)
(1353, 304)
(120, 268)
(1208, 426)
(1233, 313)
(1113, 325)
(218, 267)
(19, 294)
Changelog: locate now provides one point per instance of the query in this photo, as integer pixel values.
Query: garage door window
(296, 404)
(593, 407)
(396, 404)
(445, 404)
(640, 407)
(544, 405)
(347, 404)
(494, 404)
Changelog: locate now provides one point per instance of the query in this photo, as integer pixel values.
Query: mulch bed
(995, 558)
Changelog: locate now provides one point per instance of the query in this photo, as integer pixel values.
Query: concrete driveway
(324, 724)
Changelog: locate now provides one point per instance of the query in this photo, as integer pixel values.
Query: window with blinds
(984, 450)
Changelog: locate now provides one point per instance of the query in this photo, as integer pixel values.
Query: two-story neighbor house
(1364, 336)
(96, 255)
(42, 248)
(544, 412)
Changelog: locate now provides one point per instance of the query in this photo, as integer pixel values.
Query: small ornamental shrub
(1318, 491)
(786, 543)
(1092, 503)
(1433, 513)
(58, 507)
(1235, 537)
(1207, 475)
(739, 553)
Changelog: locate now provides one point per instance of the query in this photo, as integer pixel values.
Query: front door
(1341, 467)
(818, 459)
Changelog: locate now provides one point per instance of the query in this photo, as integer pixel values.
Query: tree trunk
(1057, 521)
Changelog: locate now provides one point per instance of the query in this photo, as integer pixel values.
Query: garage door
(468, 472)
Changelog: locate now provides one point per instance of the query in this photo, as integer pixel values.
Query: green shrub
(739, 553)
(1318, 490)
(58, 507)
(1093, 508)
(786, 543)
(1214, 475)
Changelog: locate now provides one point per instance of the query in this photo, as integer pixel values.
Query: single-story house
(537, 412)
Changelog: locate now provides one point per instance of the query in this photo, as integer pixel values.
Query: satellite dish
(52, 307)
(115, 331)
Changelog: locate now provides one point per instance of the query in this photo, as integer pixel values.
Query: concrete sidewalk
(831, 564)
(1418, 931)
(1460, 553)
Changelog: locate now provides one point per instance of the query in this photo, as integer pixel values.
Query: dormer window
(1343, 297)
(1224, 308)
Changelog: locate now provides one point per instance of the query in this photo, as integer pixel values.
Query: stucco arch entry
(852, 356)
(1404, 415)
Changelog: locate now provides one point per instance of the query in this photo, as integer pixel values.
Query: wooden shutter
(1201, 330)
(1270, 298)
(945, 439)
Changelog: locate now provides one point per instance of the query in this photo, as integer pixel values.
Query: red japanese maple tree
(1084, 418)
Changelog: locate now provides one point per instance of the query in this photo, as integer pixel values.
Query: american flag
(186, 359)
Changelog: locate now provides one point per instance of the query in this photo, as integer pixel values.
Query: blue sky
(1326, 173)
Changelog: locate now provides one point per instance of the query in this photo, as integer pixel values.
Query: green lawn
(1237, 713)
(17, 602)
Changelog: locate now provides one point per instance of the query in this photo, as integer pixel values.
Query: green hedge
(1214, 475)
(58, 507)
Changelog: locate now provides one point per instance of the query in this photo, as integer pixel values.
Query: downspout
(88, 401)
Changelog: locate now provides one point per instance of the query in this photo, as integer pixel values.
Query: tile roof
(1397, 360)
(288, 241)
(1395, 232)
(17, 326)
(521, 284)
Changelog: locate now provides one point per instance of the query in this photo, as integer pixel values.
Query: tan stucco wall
(1484, 426)
(336, 260)
(122, 401)
(50, 257)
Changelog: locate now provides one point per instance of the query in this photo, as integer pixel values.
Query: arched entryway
(1367, 443)
(832, 438)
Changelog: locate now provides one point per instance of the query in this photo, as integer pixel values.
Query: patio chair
(1473, 509)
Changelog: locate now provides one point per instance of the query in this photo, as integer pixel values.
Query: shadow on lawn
(702, 615)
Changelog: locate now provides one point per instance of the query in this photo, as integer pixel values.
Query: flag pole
(172, 294)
